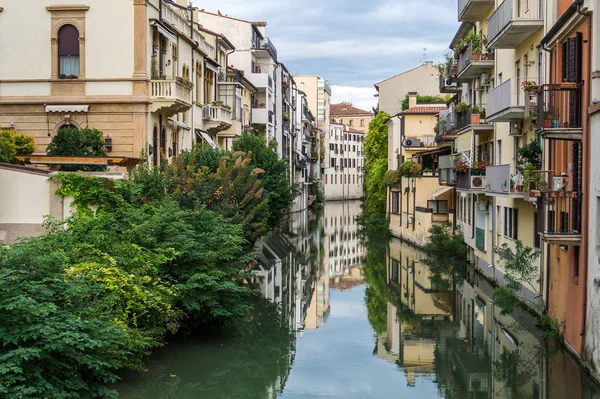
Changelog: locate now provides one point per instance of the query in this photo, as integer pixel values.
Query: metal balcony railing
(266, 44)
(559, 106)
(499, 179)
(468, 117)
(508, 96)
(560, 215)
(509, 13)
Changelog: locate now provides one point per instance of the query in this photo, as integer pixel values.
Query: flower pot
(520, 188)
(475, 56)
(556, 124)
(475, 119)
(547, 124)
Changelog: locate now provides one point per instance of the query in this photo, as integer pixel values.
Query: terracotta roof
(353, 130)
(347, 109)
(256, 23)
(425, 110)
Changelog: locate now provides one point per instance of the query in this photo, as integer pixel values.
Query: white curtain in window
(238, 104)
(69, 65)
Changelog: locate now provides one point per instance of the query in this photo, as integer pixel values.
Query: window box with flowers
(411, 169)
(461, 166)
(185, 81)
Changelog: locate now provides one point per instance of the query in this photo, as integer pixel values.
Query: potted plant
(482, 115)
(411, 169)
(475, 115)
(460, 166)
(529, 86)
(217, 103)
(392, 178)
(461, 107)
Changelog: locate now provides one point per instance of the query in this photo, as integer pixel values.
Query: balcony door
(518, 80)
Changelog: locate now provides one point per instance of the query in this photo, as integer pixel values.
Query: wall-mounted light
(150, 149)
(108, 143)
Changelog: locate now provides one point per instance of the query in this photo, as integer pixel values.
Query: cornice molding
(140, 2)
(68, 7)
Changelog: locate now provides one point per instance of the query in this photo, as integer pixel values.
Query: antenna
(424, 55)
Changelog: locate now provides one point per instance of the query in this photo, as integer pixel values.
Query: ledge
(68, 7)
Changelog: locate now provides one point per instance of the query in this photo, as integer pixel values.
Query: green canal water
(343, 319)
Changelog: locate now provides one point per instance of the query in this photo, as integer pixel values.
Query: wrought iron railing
(559, 106)
(560, 213)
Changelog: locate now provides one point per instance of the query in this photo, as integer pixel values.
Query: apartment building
(343, 175)
(345, 113)
(318, 97)
(154, 94)
(416, 199)
(520, 127)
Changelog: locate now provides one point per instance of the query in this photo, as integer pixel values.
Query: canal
(352, 318)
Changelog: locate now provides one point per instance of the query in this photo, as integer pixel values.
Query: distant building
(423, 79)
(343, 174)
(351, 116)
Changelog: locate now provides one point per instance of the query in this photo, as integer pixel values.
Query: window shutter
(516, 227)
(565, 55)
(578, 57)
(506, 221)
(573, 58)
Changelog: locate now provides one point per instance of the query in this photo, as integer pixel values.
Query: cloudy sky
(351, 43)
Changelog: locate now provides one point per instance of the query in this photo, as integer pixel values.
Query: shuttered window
(395, 202)
(571, 59)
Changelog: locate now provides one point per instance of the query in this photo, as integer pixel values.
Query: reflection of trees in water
(253, 358)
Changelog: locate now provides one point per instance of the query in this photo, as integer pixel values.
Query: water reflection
(349, 318)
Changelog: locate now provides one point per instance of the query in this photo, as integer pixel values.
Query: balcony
(469, 120)
(500, 182)
(205, 46)
(175, 19)
(474, 10)
(471, 65)
(559, 217)
(230, 76)
(261, 80)
(446, 174)
(216, 118)
(447, 84)
(508, 101)
(559, 111)
(262, 116)
(513, 22)
(266, 46)
(170, 97)
(472, 179)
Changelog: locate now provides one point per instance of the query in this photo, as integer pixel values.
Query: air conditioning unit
(478, 182)
(484, 206)
(516, 128)
(412, 143)
(559, 183)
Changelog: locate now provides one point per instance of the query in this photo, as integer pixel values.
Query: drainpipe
(585, 213)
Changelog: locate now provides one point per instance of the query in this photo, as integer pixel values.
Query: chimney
(412, 99)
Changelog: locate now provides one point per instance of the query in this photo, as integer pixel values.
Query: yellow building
(418, 198)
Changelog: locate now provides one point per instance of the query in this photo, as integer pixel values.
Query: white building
(343, 175)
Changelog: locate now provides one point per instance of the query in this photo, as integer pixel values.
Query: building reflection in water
(451, 331)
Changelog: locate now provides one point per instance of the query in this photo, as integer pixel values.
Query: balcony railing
(468, 118)
(473, 10)
(266, 44)
(559, 218)
(173, 16)
(217, 114)
(206, 47)
(560, 110)
(509, 101)
(499, 179)
(447, 84)
(170, 96)
(471, 64)
(513, 22)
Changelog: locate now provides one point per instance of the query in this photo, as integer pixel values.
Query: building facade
(343, 175)
(356, 118)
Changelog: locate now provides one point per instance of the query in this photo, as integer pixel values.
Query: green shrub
(85, 142)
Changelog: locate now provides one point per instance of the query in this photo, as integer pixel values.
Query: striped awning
(67, 108)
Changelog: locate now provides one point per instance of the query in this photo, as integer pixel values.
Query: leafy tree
(233, 190)
(85, 142)
(7, 147)
(275, 180)
(376, 164)
(24, 145)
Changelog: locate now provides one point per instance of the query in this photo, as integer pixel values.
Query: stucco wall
(423, 80)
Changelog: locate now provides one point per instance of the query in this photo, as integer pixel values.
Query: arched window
(68, 51)
(155, 146)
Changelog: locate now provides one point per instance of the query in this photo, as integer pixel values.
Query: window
(238, 104)
(362, 123)
(226, 94)
(572, 59)
(325, 183)
(395, 270)
(511, 216)
(438, 207)
(350, 122)
(395, 202)
(68, 51)
(536, 237)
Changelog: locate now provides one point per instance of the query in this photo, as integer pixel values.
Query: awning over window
(67, 108)
(441, 192)
(212, 65)
(165, 32)
(206, 138)
(178, 124)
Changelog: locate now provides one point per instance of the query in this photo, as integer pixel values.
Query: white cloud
(360, 97)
